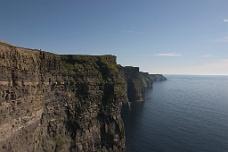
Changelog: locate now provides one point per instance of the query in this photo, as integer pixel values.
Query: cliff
(136, 83)
(157, 77)
(146, 80)
(52, 102)
(63, 103)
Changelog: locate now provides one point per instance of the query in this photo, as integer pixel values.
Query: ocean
(186, 113)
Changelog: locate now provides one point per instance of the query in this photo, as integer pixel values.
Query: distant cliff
(136, 83)
(157, 77)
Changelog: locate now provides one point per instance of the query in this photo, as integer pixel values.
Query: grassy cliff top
(4, 44)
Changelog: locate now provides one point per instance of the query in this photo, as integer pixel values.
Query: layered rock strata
(157, 77)
(136, 83)
(72, 103)
(65, 103)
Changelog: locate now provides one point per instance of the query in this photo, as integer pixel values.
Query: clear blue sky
(159, 36)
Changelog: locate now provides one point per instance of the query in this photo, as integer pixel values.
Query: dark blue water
(183, 114)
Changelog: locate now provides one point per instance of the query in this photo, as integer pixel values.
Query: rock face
(146, 80)
(157, 77)
(61, 103)
(58, 103)
(136, 83)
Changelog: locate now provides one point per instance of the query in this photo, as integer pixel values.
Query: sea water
(183, 114)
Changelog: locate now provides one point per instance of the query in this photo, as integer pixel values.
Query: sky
(159, 36)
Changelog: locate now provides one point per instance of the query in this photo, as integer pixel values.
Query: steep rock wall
(136, 83)
(146, 80)
(59, 103)
(157, 77)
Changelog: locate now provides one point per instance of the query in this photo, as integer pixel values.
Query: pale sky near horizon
(159, 36)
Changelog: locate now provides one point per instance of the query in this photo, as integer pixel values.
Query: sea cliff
(52, 102)
(136, 83)
(157, 77)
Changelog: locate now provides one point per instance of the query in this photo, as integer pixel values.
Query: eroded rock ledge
(52, 102)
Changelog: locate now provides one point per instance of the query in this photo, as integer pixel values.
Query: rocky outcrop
(65, 103)
(157, 77)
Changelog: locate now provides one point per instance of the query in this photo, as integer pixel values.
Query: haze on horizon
(159, 36)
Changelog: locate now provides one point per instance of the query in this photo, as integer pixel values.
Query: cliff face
(60, 103)
(146, 80)
(136, 83)
(157, 77)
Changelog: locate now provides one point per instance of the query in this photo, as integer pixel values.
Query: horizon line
(195, 74)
